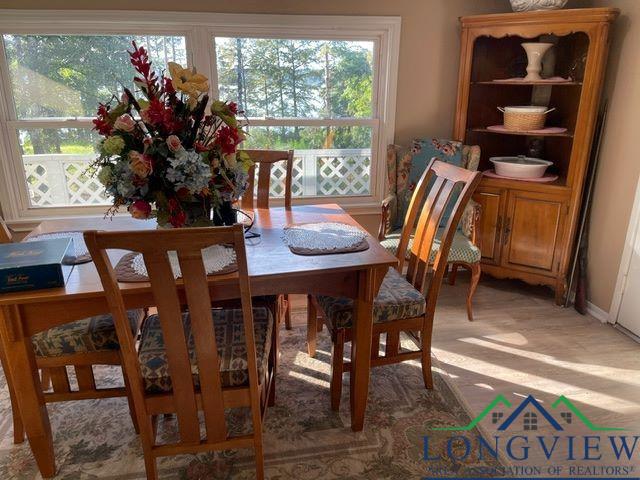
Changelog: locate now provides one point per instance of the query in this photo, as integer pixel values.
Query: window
(56, 79)
(323, 86)
(283, 85)
(530, 421)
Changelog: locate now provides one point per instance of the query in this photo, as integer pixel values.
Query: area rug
(303, 438)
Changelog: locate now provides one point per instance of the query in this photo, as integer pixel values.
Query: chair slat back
(5, 233)
(171, 296)
(265, 159)
(424, 275)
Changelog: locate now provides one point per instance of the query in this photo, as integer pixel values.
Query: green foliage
(299, 79)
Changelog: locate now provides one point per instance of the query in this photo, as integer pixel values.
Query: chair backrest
(5, 233)
(402, 160)
(192, 291)
(423, 273)
(265, 159)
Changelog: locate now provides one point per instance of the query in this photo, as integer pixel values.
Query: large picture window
(56, 79)
(322, 86)
(285, 84)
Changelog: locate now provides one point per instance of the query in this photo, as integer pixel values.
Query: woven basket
(524, 121)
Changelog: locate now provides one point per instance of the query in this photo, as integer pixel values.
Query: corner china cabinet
(528, 229)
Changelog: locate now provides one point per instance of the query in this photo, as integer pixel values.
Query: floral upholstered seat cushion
(462, 248)
(230, 340)
(93, 334)
(397, 299)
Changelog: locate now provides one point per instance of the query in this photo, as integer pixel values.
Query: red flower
(140, 209)
(102, 122)
(177, 217)
(157, 114)
(142, 64)
(233, 107)
(227, 139)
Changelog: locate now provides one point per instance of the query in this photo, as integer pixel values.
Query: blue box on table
(35, 265)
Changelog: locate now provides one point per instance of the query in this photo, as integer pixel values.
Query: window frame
(199, 31)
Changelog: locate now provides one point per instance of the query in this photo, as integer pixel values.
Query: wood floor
(521, 344)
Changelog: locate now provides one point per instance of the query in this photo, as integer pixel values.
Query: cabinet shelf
(566, 134)
(534, 84)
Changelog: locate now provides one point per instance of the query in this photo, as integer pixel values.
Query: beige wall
(619, 166)
(427, 88)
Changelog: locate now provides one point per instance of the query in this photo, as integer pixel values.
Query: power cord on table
(247, 229)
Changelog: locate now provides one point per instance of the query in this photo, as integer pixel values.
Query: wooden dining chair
(265, 159)
(405, 302)
(191, 358)
(81, 345)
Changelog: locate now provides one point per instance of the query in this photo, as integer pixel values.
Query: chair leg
(132, 408)
(150, 466)
(427, 375)
(312, 326)
(473, 284)
(453, 273)
(257, 446)
(287, 312)
(337, 369)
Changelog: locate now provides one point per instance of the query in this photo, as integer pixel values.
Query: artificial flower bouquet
(164, 155)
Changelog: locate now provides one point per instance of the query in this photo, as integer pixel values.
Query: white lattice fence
(325, 172)
(343, 173)
(62, 179)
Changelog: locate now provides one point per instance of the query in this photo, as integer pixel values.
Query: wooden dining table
(273, 269)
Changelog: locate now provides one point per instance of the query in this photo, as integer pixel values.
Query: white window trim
(198, 30)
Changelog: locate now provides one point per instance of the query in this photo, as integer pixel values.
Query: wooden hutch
(529, 229)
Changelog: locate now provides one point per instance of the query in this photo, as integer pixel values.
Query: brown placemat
(126, 274)
(299, 250)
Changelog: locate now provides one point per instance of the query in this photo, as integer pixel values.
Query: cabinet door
(532, 230)
(492, 202)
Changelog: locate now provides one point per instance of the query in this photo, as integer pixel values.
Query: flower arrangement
(164, 155)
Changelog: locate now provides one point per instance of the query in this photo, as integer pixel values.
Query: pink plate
(541, 81)
(543, 131)
(544, 179)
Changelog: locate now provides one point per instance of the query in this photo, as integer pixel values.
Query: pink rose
(173, 142)
(140, 164)
(125, 123)
(140, 209)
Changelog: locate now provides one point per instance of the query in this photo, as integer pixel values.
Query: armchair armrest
(470, 222)
(385, 216)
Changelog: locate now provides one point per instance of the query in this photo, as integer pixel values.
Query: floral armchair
(465, 250)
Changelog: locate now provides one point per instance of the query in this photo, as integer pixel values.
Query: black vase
(224, 214)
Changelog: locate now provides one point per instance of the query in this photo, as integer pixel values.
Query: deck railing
(63, 179)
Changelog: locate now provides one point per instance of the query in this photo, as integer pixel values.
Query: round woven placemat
(125, 272)
(300, 250)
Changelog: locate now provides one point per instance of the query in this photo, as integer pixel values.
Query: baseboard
(597, 312)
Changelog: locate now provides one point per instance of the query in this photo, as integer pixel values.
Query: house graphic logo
(531, 413)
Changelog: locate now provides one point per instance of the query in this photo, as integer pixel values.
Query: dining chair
(81, 345)
(406, 302)
(265, 159)
(192, 358)
(404, 166)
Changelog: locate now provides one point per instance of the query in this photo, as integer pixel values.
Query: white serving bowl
(520, 166)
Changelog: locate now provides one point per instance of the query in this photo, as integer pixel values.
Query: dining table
(273, 269)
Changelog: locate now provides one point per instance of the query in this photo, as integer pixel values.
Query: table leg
(21, 361)
(18, 430)
(368, 285)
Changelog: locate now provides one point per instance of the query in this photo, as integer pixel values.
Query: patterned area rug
(303, 438)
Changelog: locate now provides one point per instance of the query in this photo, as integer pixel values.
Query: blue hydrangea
(188, 170)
